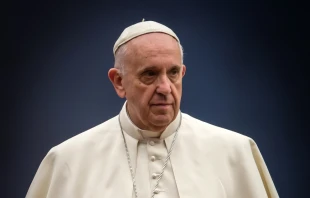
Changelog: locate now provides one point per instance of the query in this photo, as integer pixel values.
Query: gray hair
(123, 51)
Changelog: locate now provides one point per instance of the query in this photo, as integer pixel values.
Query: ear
(183, 70)
(116, 79)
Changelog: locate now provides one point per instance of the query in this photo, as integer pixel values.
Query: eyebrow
(147, 68)
(156, 68)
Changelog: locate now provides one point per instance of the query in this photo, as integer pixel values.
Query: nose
(164, 86)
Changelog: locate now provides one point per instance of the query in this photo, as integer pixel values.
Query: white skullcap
(141, 28)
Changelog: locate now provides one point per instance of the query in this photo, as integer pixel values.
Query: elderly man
(152, 149)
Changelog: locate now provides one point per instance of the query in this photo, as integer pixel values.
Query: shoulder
(205, 131)
(86, 141)
(208, 138)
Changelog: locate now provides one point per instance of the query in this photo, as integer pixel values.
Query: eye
(149, 73)
(174, 72)
(148, 76)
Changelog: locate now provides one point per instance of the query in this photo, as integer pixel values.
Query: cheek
(142, 94)
(177, 90)
(147, 95)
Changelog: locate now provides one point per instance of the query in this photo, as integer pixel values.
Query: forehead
(155, 38)
(152, 45)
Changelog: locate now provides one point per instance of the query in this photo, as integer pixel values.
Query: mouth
(161, 104)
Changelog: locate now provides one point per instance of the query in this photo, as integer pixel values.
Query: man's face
(153, 80)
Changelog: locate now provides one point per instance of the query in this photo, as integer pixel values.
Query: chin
(162, 120)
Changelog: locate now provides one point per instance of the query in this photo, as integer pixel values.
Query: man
(152, 149)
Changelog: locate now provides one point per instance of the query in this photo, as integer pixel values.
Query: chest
(184, 176)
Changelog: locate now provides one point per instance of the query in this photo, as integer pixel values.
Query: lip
(161, 104)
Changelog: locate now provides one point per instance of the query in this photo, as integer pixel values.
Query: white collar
(131, 129)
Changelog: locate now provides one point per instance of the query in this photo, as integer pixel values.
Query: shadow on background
(245, 72)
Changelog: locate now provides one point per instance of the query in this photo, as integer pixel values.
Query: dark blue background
(246, 72)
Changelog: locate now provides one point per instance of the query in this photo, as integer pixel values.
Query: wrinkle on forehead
(153, 44)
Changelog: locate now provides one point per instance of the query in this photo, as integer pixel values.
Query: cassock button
(152, 143)
(156, 191)
(154, 175)
(153, 158)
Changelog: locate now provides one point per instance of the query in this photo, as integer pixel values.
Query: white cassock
(207, 162)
